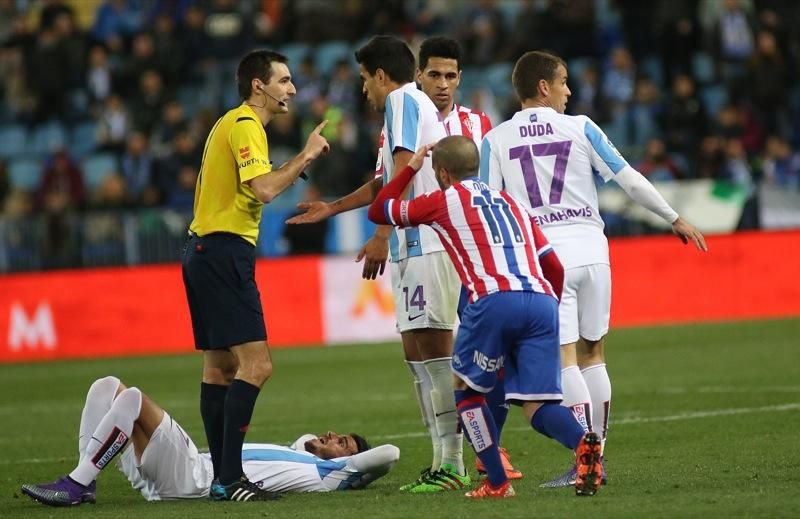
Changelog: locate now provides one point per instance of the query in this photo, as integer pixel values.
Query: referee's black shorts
(219, 276)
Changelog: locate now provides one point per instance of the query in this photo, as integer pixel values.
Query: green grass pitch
(705, 423)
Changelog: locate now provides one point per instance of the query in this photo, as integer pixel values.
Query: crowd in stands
(105, 104)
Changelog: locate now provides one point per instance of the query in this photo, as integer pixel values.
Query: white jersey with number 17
(549, 162)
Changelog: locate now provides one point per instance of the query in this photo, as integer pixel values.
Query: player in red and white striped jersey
(488, 235)
(439, 75)
(514, 279)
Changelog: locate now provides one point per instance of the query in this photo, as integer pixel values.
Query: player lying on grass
(514, 280)
(161, 461)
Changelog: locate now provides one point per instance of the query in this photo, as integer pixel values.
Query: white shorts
(170, 468)
(585, 306)
(426, 290)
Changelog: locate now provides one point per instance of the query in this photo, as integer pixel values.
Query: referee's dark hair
(256, 64)
(361, 443)
(390, 54)
(439, 47)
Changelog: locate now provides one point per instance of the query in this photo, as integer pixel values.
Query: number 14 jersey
(549, 162)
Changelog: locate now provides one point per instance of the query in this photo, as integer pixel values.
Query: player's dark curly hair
(531, 68)
(256, 64)
(391, 55)
(439, 47)
(361, 443)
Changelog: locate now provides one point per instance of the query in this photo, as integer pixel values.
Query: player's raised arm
(392, 192)
(373, 464)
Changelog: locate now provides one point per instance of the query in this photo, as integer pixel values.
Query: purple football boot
(64, 492)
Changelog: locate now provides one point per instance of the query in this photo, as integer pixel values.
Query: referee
(236, 179)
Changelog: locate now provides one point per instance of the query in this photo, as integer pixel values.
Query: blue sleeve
(410, 140)
(608, 154)
(486, 152)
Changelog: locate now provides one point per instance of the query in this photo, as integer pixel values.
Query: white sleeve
(373, 464)
(644, 193)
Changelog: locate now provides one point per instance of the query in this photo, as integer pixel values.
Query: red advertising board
(142, 310)
(137, 311)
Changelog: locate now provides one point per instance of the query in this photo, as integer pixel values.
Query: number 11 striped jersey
(549, 161)
(489, 236)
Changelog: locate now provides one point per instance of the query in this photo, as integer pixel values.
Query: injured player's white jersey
(286, 469)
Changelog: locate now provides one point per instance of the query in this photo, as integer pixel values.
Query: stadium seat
(328, 53)
(82, 139)
(25, 173)
(651, 67)
(48, 138)
(499, 78)
(13, 139)
(271, 241)
(617, 131)
(472, 78)
(187, 96)
(196, 96)
(96, 167)
(577, 66)
(703, 68)
(510, 11)
(295, 52)
(714, 98)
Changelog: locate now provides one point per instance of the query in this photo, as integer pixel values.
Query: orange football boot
(589, 465)
(487, 490)
(505, 457)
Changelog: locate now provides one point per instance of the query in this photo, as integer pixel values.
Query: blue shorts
(219, 274)
(517, 331)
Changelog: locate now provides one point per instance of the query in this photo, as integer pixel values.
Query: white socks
(98, 401)
(423, 387)
(444, 410)
(599, 385)
(576, 396)
(110, 436)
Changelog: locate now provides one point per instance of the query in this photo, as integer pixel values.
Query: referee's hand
(316, 143)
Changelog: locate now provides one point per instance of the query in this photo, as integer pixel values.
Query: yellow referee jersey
(236, 151)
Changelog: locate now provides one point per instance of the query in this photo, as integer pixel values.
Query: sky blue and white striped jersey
(411, 121)
(549, 162)
(284, 469)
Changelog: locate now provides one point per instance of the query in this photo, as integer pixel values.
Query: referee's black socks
(212, 410)
(239, 404)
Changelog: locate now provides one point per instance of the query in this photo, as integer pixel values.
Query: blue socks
(558, 422)
(479, 427)
(496, 400)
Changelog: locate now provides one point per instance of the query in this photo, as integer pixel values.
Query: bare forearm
(361, 197)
